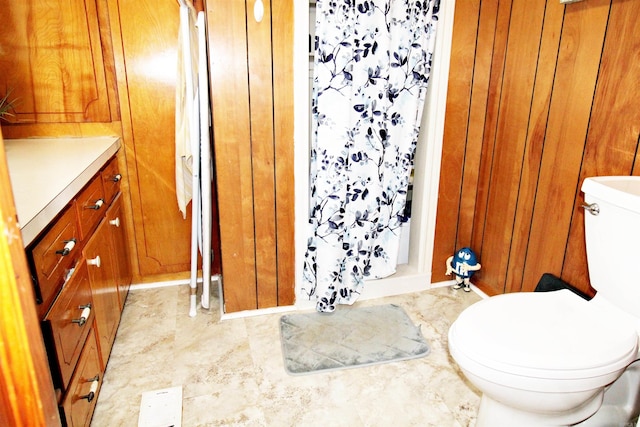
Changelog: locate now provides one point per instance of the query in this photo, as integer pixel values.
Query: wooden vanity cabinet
(81, 290)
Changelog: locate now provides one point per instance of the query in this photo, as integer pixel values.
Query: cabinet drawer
(52, 257)
(90, 204)
(111, 180)
(70, 320)
(82, 394)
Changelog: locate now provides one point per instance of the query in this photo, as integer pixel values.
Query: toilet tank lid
(543, 331)
(622, 191)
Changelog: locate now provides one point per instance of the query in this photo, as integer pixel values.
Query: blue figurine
(463, 265)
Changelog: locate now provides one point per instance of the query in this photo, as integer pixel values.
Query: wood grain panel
(560, 106)
(576, 73)
(100, 261)
(487, 34)
(539, 116)
(53, 60)
(455, 129)
(282, 16)
(614, 128)
(148, 31)
(508, 143)
(227, 35)
(263, 153)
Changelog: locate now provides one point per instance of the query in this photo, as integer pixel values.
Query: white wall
(416, 274)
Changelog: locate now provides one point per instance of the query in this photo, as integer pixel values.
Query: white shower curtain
(372, 67)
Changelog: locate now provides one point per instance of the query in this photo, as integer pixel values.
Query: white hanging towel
(187, 107)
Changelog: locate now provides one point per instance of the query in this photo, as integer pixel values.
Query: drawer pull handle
(115, 221)
(95, 261)
(94, 388)
(68, 247)
(86, 311)
(116, 178)
(97, 206)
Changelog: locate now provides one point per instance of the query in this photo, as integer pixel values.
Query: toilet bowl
(553, 358)
(541, 358)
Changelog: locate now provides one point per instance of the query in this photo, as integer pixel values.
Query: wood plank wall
(252, 97)
(541, 95)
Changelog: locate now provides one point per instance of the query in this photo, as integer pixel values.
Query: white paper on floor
(161, 408)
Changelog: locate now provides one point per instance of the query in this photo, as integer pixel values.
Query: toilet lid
(537, 331)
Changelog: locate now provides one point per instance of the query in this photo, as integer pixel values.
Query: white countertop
(47, 173)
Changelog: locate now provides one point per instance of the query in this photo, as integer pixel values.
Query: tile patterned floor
(232, 371)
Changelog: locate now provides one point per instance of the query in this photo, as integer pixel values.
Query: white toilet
(551, 358)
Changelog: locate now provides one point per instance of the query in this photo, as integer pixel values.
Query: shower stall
(415, 258)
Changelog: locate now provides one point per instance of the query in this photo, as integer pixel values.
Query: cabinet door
(53, 60)
(122, 264)
(98, 255)
(149, 48)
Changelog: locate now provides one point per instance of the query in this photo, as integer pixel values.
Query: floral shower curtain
(372, 66)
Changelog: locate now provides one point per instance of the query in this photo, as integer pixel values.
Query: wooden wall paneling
(477, 115)
(577, 70)
(535, 141)
(525, 28)
(282, 38)
(227, 35)
(53, 60)
(455, 134)
(614, 128)
(526, 219)
(126, 154)
(499, 26)
(495, 31)
(108, 60)
(147, 71)
(263, 153)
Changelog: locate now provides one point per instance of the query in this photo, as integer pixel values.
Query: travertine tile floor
(232, 373)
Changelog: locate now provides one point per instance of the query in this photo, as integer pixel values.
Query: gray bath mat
(349, 337)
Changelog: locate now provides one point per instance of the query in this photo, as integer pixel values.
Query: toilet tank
(613, 239)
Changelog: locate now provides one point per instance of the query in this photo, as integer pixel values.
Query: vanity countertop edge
(47, 173)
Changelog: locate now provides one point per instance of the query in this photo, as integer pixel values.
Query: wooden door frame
(27, 396)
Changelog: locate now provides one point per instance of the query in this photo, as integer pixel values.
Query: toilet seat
(553, 335)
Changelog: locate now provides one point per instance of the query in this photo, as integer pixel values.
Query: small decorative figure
(463, 265)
